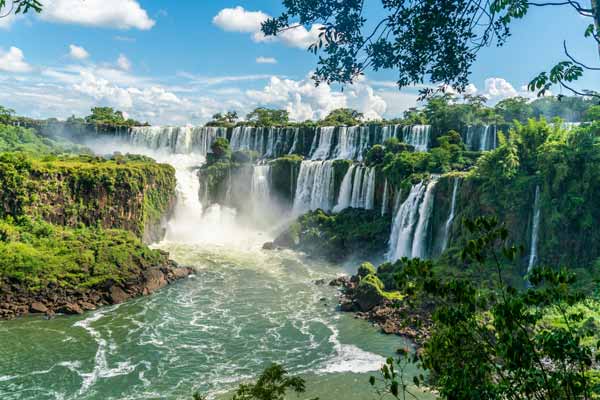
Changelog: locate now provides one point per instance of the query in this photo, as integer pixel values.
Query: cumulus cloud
(119, 14)
(303, 100)
(238, 19)
(123, 62)
(77, 52)
(13, 61)
(498, 89)
(7, 21)
(266, 60)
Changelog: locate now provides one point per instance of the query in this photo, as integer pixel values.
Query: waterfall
(388, 132)
(481, 137)
(175, 140)
(535, 229)
(369, 199)
(352, 143)
(384, 203)
(325, 139)
(315, 187)
(345, 195)
(358, 189)
(417, 136)
(411, 223)
(260, 187)
(450, 216)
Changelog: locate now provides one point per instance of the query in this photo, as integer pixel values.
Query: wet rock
(38, 308)
(320, 282)
(87, 306)
(181, 272)
(269, 246)
(117, 295)
(155, 279)
(368, 297)
(340, 281)
(347, 306)
(71, 309)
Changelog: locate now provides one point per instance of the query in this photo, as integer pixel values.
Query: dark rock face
(367, 297)
(16, 301)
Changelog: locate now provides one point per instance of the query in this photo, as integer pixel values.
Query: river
(243, 309)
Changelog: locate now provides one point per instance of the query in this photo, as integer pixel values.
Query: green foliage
(592, 114)
(20, 7)
(342, 117)
(376, 155)
(13, 138)
(224, 120)
(272, 384)
(265, 117)
(492, 342)
(352, 232)
(221, 149)
(108, 116)
(35, 253)
(365, 269)
(69, 190)
(6, 115)
(514, 109)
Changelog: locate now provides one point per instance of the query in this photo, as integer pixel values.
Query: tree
(515, 109)
(593, 114)
(227, 119)
(342, 117)
(489, 341)
(6, 115)
(266, 117)
(435, 40)
(220, 149)
(109, 116)
(273, 384)
(19, 7)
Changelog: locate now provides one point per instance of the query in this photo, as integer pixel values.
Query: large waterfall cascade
(357, 189)
(451, 215)
(535, 230)
(481, 137)
(410, 227)
(315, 187)
(417, 136)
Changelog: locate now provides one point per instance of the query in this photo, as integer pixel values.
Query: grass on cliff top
(35, 253)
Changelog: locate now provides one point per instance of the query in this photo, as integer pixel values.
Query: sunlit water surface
(244, 309)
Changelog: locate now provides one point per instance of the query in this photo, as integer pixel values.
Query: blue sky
(179, 62)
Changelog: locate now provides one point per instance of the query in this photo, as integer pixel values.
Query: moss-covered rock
(134, 194)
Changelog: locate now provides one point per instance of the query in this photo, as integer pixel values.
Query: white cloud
(13, 61)
(266, 60)
(303, 100)
(123, 62)
(77, 52)
(240, 20)
(498, 89)
(119, 14)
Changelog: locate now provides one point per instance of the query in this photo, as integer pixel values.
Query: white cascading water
(388, 132)
(410, 227)
(535, 229)
(451, 216)
(417, 136)
(176, 140)
(345, 195)
(314, 189)
(322, 142)
(352, 143)
(482, 137)
(357, 189)
(384, 204)
(260, 190)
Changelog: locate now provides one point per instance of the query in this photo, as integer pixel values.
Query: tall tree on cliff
(425, 40)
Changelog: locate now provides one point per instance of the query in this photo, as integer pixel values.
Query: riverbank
(393, 317)
(16, 300)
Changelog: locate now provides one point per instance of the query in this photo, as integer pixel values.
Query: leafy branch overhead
(19, 7)
(422, 40)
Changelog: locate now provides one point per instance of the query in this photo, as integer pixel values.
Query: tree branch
(578, 62)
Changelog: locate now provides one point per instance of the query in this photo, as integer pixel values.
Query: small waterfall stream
(410, 228)
(357, 189)
(315, 187)
(535, 229)
(451, 216)
(417, 136)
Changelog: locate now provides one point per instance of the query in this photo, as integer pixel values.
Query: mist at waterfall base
(243, 309)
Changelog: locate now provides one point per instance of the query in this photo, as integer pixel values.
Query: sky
(179, 62)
